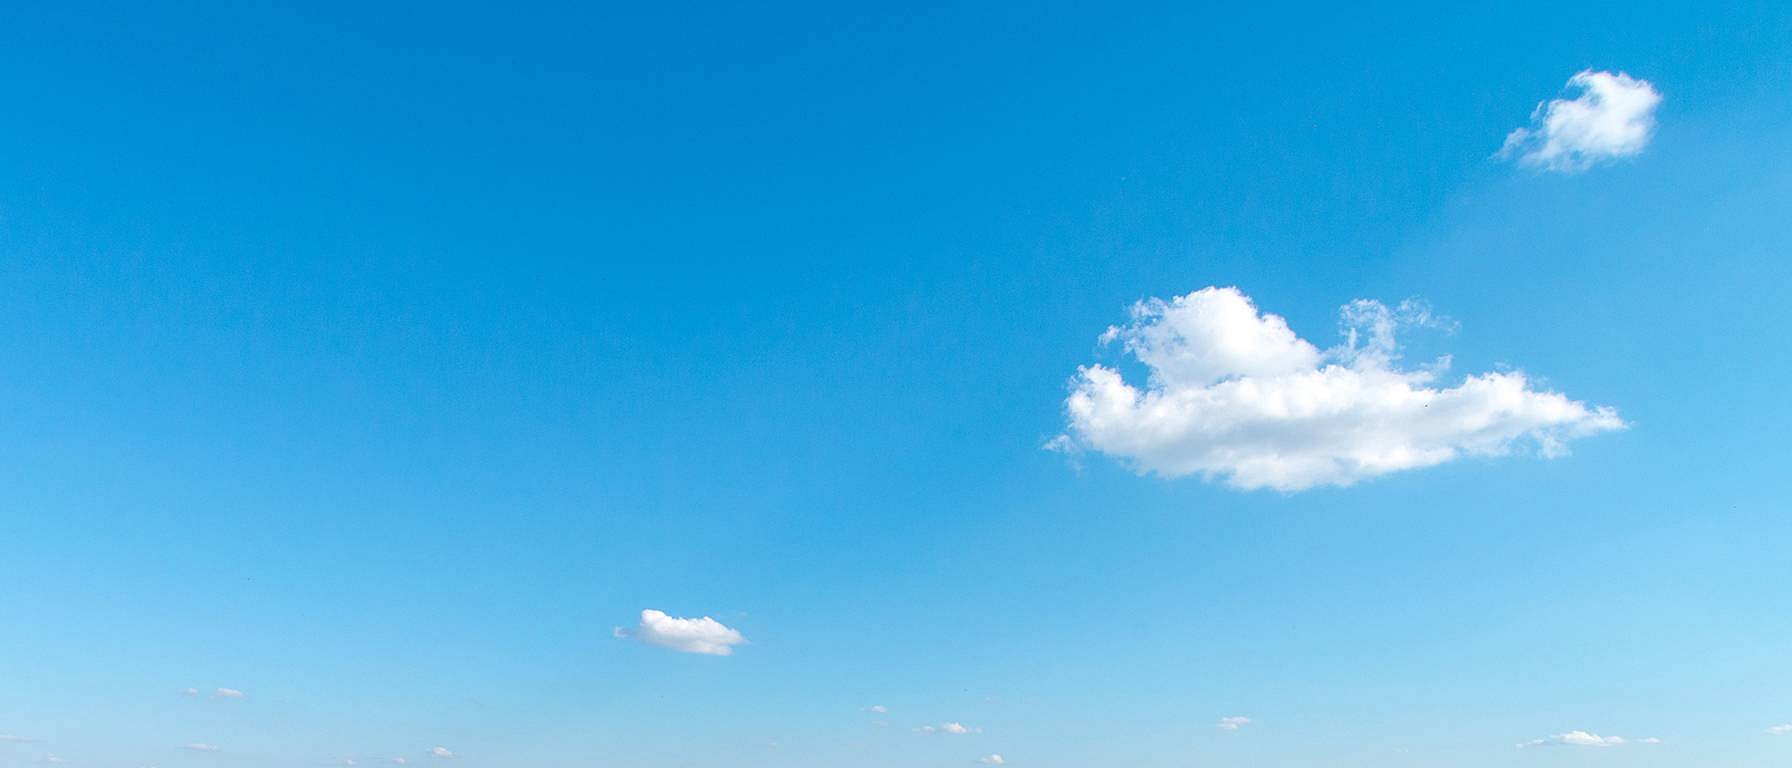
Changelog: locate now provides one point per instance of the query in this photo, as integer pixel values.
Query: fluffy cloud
(1780, 730)
(1232, 723)
(994, 759)
(1584, 739)
(441, 752)
(704, 635)
(1235, 394)
(228, 693)
(1613, 116)
(952, 728)
(878, 709)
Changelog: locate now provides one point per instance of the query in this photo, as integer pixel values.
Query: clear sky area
(844, 385)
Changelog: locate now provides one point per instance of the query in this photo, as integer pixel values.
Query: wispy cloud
(702, 635)
(1585, 739)
(441, 752)
(1232, 723)
(1612, 116)
(8, 738)
(200, 747)
(1780, 730)
(227, 693)
(1234, 394)
(992, 759)
(954, 728)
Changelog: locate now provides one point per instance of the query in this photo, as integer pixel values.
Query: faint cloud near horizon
(954, 728)
(1585, 739)
(1232, 723)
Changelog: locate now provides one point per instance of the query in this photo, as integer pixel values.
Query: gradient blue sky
(380, 362)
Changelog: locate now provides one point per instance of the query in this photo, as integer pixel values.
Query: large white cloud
(1613, 116)
(1234, 394)
(703, 635)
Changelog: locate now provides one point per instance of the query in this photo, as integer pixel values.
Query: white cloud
(952, 728)
(879, 709)
(993, 759)
(1584, 739)
(704, 635)
(1612, 117)
(189, 691)
(1780, 730)
(1234, 394)
(8, 738)
(1232, 723)
(53, 759)
(400, 760)
(441, 752)
(227, 693)
(200, 747)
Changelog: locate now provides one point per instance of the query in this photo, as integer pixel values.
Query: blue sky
(383, 365)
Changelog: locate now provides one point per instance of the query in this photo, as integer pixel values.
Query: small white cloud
(1780, 730)
(952, 728)
(1232, 723)
(9, 738)
(703, 635)
(1576, 739)
(992, 759)
(878, 709)
(441, 752)
(1613, 116)
(1650, 740)
(200, 747)
(189, 691)
(227, 693)
(347, 761)
(53, 759)
(1234, 394)
(399, 760)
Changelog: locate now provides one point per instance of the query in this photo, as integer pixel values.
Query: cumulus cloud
(200, 747)
(1584, 739)
(952, 728)
(704, 635)
(1612, 116)
(227, 693)
(1780, 730)
(1235, 394)
(878, 709)
(1232, 723)
(992, 759)
(441, 752)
